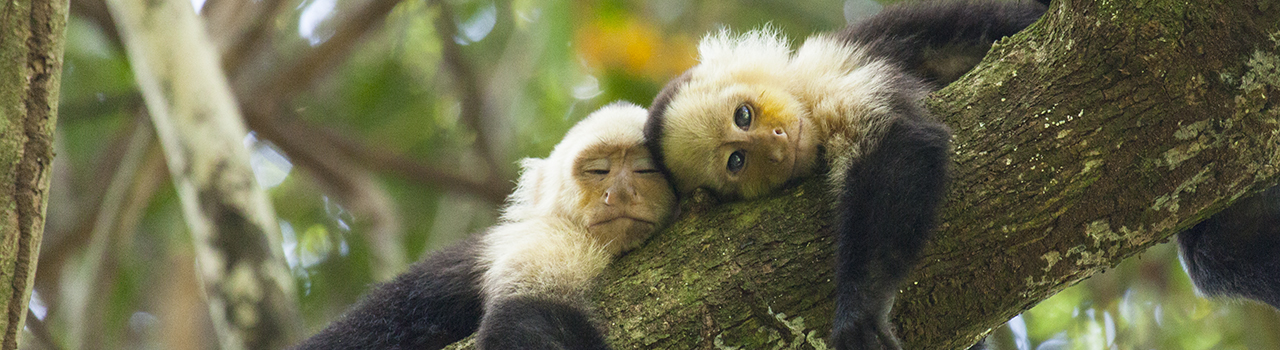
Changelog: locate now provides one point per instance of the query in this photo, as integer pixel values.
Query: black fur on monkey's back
(1237, 251)
(939, 41)
(435, 303)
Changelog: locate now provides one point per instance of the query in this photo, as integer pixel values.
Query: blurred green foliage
(1146, 302)
(543, 65)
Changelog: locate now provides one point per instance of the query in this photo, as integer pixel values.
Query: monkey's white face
(596, 195)
(601, 178)
(624, 196)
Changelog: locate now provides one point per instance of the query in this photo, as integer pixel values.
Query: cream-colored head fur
(546, 186)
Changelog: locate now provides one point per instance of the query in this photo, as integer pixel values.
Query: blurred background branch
(233, 227)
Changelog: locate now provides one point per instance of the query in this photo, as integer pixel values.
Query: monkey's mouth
(621, 219)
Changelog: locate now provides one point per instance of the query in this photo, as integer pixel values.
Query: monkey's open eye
(742, 116)
(736, 161)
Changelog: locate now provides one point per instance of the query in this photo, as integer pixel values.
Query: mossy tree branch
(31, 49)
(1097, 133)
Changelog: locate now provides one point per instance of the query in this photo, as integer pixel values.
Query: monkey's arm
(437, 302)
(887, 210)
(1237, 251)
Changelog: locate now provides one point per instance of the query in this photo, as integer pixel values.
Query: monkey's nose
(619, 195)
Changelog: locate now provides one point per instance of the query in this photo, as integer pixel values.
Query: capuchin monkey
(754, 115)
(521, 284)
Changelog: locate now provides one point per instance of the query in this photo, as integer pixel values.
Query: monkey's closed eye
(598, 166)
(742, 116)
(644, 166)
(736, 161)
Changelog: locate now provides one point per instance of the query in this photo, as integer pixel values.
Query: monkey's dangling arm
(885, 214)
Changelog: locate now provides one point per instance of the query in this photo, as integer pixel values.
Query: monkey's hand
(867, 333)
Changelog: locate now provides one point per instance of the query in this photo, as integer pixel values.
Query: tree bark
(247, 285)
(1101, 130)
(31, 42)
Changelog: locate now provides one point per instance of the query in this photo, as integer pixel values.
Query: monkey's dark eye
(742, 116)
(598, 172)
(736, 161)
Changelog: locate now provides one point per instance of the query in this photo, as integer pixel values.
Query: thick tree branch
(1098, 132)
(31, 46)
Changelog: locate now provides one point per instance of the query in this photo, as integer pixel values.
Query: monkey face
(624, 196)
(601, 177)
(740, 141)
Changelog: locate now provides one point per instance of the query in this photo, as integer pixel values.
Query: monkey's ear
(532, 174)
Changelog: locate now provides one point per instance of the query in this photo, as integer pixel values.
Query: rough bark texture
(237, 239)
(31, 39)
(1104, 129)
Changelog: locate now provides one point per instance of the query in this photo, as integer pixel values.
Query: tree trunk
(237, 239)
(31, 39)
(1100, 131)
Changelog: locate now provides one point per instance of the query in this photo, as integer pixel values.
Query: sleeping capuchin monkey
(521, 284)
(754, 115)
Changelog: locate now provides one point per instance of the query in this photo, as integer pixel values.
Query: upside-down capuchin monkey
(521, 284)
(754, 115)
